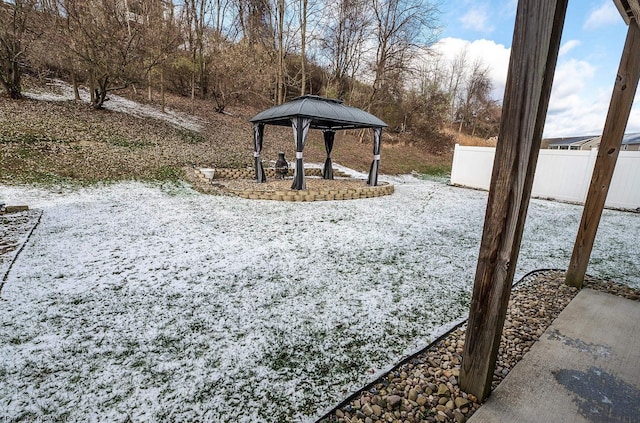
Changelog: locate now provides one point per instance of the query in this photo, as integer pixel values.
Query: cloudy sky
(592, 43)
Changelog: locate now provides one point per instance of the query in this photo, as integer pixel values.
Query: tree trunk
(92, 87)
(149, 91)
(12, 81)
(280, 78)
(74, 82)
(303, 63)
(193, 87)
(204, 78)
(162, 88)
(100, 95)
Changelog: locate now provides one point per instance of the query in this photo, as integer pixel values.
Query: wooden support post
(536, 42)
(619, 109)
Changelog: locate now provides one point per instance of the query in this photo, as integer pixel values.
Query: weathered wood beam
(635, 8)
(536, 42)
(629, 9)
(624, 91)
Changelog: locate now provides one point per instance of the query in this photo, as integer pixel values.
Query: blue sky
(592, 43)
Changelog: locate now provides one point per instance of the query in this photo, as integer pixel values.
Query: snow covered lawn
(163, 304)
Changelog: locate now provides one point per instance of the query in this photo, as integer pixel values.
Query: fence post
(455, 163)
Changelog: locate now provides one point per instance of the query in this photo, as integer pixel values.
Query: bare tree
(303, 45)
(457, 71)
(345, 40)
(105, 38)
(160, 38)
(402, 28)
(16, 32)
(254, 20)
(475, 99)
(280, 84)
(310, 19)
(221, 48)
(194, 25)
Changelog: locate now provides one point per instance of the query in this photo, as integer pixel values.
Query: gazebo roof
(325, 113)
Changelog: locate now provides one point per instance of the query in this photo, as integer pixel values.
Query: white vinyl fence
(562, 175)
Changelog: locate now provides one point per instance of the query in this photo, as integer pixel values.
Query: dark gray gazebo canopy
(313, 112)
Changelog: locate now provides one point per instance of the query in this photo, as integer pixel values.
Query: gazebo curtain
(300, 130)
(327, 170)
(258, 133)
(375, 165)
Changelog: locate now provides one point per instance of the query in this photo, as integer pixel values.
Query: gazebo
(314, 112)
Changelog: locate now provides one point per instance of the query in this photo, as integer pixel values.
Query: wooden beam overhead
(629, 9)
(536, 42)
(635, 8)
(624, 91)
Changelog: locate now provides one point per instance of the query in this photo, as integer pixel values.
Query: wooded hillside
(374, 54)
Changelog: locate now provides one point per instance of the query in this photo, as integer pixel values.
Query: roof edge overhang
(315, 123)
(325, 113)
(629, 9)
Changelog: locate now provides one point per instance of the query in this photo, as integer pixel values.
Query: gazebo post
(372, 180)
(624, 91)
(300, 128)
(258, 134)
(536, 41)
(327, 170)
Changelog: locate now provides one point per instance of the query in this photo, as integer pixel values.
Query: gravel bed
(425, 388)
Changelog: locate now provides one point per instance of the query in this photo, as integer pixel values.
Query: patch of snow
(162, 304)
(352, 173)
(61, 91)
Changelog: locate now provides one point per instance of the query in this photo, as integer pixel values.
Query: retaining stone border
(293, 195)
(317, 195)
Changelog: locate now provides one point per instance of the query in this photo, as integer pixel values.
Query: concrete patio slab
(584, 368)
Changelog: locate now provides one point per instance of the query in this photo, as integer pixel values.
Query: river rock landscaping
(425, 387)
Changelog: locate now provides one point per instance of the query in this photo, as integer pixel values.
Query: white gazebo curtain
(300, 130)
(258, 133)
(375, 165)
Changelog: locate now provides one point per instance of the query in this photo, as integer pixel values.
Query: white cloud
(509, 8)
(579, 100)
(491, 54)
(579, 115)
(577, 107)
(570, 78)
(477, 19)
(568, 46)
(604, 15)
(634, 119)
